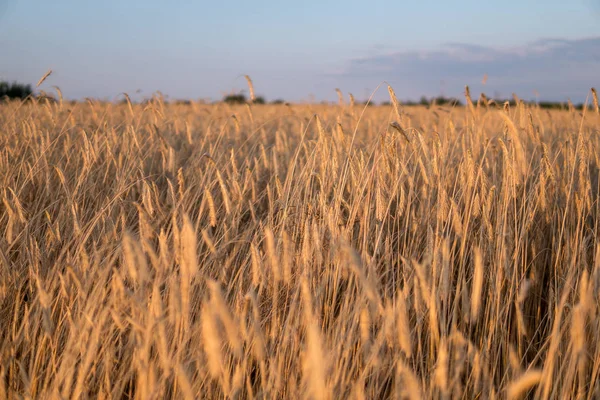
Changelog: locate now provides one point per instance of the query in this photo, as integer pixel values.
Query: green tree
(15, 90)
(235, 99)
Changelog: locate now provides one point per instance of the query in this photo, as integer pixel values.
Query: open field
(165, 251)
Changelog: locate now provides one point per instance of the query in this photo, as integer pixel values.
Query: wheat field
(173, 251)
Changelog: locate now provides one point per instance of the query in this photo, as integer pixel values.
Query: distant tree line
(424, 101)
(241, 99)
(548, 105)
(20, 91)
(450, 101)
(440, 101)
(14, 90)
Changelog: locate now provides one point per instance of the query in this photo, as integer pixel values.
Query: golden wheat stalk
(595, 99)
(43, 78)
(519, 387)
(250, 87)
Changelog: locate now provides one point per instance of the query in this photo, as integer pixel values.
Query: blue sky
(303, 50)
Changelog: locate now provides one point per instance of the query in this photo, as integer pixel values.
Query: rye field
(183, 251)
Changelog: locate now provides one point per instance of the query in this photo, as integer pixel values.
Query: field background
(302, 251)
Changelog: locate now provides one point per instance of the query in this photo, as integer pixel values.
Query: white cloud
(556, 68)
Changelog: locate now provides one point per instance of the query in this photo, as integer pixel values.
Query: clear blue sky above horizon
(303, 50)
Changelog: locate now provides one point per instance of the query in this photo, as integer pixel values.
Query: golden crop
(157, 251)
